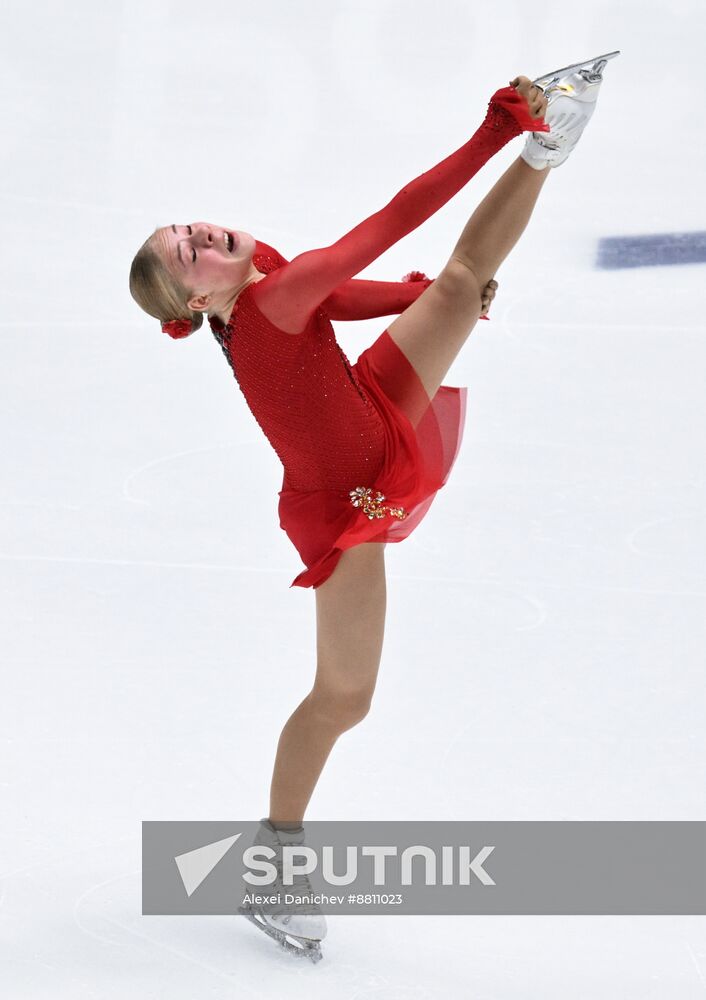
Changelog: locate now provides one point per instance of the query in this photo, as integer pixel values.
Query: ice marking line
(550, 583)
(699, 973)
(231, 978)
(143, 562)
(454, 741)
(509, 323)
(105, 208)
(42, 504)
(87, 892)
(630, 538)
(668, 519)
(604, 326)
(170, 458)
(61, 856)
(541, 611)
(651, 250)
(404, 577)
(535, 604)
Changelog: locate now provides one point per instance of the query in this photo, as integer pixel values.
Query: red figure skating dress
(363, 448)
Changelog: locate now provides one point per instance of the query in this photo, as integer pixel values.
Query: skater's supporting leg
(350, 622)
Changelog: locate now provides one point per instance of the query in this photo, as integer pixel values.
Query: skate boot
(571, 94)
(299, 927)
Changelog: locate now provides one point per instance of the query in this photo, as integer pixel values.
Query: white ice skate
(571, 93)
(298, 927)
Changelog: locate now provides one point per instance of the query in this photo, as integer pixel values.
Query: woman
(366, 447)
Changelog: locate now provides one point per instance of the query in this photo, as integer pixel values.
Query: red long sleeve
(291, 294)
(359, 298)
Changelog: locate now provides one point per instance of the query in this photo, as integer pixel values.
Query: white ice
(544, 652)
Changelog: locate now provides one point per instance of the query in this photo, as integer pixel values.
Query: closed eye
(193, 259)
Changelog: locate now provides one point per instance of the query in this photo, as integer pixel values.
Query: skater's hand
(488, 295)
(536, 101)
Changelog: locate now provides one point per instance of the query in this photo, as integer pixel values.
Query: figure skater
(364, 447)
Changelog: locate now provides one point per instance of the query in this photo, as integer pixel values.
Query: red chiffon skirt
(423, 438)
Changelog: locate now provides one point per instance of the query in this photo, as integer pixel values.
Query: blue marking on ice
(655, 250)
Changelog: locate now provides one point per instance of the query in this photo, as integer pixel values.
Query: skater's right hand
(487, 296)
(536, 101)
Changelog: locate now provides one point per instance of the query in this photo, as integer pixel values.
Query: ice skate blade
(307, 949)
(590, 69)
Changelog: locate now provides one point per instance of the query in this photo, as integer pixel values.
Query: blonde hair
(156, 290)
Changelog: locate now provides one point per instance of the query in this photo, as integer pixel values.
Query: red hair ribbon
(178, 328)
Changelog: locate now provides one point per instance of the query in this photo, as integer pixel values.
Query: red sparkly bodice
(303, 393)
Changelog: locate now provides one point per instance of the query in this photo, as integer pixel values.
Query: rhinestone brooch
(371, 503)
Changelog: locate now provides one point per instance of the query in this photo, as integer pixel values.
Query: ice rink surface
(544, 651)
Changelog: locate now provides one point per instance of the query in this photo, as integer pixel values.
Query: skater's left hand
(487, 296)
(536, 101)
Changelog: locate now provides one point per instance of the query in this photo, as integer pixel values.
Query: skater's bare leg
(435, 327)
(500, 219)
(350, 622)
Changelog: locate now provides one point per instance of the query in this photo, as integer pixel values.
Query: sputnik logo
(195, 866)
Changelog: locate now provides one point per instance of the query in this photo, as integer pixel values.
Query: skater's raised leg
(433, 329)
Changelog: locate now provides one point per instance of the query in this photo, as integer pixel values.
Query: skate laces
(300, 885)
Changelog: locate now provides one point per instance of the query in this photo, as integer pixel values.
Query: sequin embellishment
(363, 496)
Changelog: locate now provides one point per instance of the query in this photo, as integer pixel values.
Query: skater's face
(197, 254)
